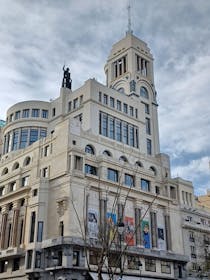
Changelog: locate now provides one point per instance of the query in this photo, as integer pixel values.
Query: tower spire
(129, 18)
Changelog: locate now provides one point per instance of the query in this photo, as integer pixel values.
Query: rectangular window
(12, 186)
(131, 111)
(17, 115)
(149, 147)
(112, 102)
(25, 181)
(125, 108)
(53, 112)
(2, 190)
(69, 106)
(32, 229)
(33, 136)
(166, 267)
(25, 113)
(46, 151)
(35, 192)
(100, 96)
(16, 264)
(45, 114)
(15, 140)
(61, 228)
(75, 103)
(38, 259)
(45, 172)
(94, 257)
(78, 162)
(112, 175)
(150, 265)
(119, 105)
(145, 185)
(43, 133)
(125, 133)
(146, 108)
(29, 259)
(136, 113)
(23, 138)
(104, 124)
(75, 261)
(148, 126)
(172, 192)
(131, 136)
(40, 231)
(157, 190)
(35, 113)
(129, 180)
(118, 130)
(105, 99)
(111, 128)
(133, 262)
(89, 169)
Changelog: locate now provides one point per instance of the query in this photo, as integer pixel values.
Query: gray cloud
(38, 37)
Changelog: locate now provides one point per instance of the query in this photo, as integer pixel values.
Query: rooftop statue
(66, 78)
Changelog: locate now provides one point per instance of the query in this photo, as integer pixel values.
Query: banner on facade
(145, 234)
(129, 230)
(111, 225)
(93, 223)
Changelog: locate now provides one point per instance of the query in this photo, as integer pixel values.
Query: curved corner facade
(26, 123)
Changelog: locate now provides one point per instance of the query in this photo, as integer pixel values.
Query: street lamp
(140, 267)
(120, 229)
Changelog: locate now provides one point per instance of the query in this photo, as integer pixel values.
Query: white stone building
(91, 157)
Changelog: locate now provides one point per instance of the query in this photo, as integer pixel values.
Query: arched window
(144, 93)
(5, 171)
(15, 165)
(153, 169)
(107, 153)
(89, 150)
(27, 161)
(139, 164)
(123, 159)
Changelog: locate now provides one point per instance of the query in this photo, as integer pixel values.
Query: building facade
(84, 191)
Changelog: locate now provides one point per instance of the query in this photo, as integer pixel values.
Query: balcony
(11, 252)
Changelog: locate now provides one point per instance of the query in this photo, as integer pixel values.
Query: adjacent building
(85, 191)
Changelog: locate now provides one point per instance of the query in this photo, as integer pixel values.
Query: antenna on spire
(129, 18)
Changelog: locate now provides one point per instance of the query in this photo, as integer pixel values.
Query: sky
(38, 37)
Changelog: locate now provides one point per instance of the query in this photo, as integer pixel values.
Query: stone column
(3, 226)
(15, 226)
(153, 218)
(168, 232)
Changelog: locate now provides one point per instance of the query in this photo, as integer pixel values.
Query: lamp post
(140, 267)
(120, 229)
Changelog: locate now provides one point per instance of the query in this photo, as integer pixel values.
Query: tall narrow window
(32, 229)
(29, 259)
(35, 113)
(40, 231)
(149, 147)
(61, 228)
(112, 175)
(148, 126)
